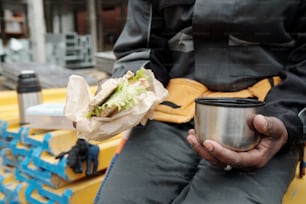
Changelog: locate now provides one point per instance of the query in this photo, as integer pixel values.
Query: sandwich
(119, 94)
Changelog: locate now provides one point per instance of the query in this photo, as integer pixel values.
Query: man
(227, 47)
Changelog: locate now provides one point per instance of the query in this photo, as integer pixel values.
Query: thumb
(269, 126)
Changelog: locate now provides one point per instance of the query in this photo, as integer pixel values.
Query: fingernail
(190, 141)
(264, 119)
(209, 146)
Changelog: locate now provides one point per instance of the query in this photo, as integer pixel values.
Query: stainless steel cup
(227, 121)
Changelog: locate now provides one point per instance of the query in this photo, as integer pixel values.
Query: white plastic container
(48, 116)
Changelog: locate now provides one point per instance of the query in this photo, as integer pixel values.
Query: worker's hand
(273, 136)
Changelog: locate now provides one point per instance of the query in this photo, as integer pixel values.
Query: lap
(157, 165)
(213, 185)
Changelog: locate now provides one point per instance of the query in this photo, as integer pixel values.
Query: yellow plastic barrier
(296, 193)
(38, 148)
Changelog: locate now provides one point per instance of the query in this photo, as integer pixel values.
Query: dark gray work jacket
(226, 45)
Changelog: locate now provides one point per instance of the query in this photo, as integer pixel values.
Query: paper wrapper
(99, 128)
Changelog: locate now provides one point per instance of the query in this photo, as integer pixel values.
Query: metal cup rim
(230, 102)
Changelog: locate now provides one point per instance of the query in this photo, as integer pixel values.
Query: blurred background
(50, 40)
(56, 38)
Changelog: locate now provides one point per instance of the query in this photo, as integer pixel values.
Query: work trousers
(158, 165)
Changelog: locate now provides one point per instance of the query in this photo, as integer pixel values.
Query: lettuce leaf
(140, 74)
(125, 96)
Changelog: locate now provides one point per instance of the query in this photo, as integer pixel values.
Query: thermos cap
(28, 82)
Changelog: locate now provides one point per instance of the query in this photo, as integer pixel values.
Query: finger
(274, 134)
(198, 147)
(191, 132)
(269, 126)
(239, 160)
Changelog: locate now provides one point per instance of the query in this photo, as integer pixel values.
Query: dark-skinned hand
(273, 136)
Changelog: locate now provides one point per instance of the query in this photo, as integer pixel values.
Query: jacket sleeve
(141, 42)
(289, 97)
